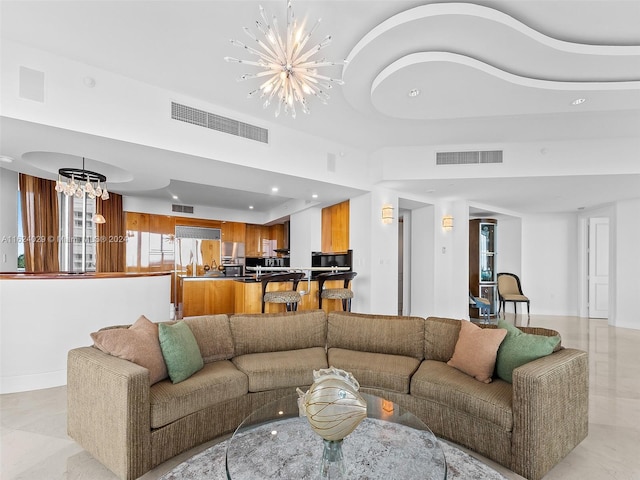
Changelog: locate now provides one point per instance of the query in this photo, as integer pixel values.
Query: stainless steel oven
(233, 270)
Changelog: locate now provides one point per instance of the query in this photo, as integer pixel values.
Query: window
(77, 234)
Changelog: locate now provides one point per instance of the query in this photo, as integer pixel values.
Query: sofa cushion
(376, 370)
(445, 385)
(180, 351)
(476, 351)
(258, 333)
(137, 343)
(271, 370)
(215, 383)
(440, 337)
(213, 335)
(519, 348)
(393, 335)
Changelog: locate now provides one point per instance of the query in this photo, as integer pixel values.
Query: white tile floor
(34, 444)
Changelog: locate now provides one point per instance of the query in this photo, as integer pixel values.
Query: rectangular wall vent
(468, 158)
(181, 208)
(210, 120)
(202, 233)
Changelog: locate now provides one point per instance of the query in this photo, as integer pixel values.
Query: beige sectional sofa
(131, 426)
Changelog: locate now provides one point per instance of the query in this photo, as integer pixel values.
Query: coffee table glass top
(391, 443)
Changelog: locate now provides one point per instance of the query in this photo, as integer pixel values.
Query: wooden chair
(289, 297)
(510, 290)
(345, 293)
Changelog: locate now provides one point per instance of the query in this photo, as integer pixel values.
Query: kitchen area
(215, 276)
(208, 269)
(216, 265)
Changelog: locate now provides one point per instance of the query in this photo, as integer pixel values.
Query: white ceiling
(491, 72)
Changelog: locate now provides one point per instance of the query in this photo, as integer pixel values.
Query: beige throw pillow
(139, 344)
(476, 350)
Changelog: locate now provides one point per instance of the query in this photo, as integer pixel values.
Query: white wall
(423, 263)
(509, 243)
(626, 274)
(550, 264)
(8, 221)
(305, 231)
(36, 335)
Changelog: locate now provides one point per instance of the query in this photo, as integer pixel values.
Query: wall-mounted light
(387, 214)
(447, 222)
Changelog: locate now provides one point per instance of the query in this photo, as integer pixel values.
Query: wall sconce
(387, 214)
(447, 222)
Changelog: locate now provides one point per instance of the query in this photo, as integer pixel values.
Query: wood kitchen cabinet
(233, 232)
(207, 296)
(335, 227)
(253, 240)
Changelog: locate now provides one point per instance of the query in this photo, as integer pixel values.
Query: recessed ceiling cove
(468, 60)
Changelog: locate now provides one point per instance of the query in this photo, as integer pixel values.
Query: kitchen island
(205, 295)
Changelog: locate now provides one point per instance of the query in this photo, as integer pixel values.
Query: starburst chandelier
(292, 74)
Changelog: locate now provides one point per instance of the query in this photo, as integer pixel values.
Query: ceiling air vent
(468, 158)
(210, 120)
(202, 233)
(181, 208)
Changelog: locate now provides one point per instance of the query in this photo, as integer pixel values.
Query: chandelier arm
(318, 63)
(307, 37)
(245, 62)
(329, 79)
(257, 40)
(277, 39)
(316, 49)
(312, 89)
(269, 56)
(297, 86)
(248, 76)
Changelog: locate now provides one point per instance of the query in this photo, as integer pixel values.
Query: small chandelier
(75, 187)
(292, 74)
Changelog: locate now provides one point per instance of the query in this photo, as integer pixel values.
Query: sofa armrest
(108, 410)
(550, 410)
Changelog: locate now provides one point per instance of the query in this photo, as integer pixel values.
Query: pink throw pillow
(476, 350)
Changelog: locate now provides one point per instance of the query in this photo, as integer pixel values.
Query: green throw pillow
(180, 351)
(519, 348)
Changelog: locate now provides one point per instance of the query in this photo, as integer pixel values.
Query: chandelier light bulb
(292, 74)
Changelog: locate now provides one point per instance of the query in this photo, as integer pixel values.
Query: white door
(598, 267)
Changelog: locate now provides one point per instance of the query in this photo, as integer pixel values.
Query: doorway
(598, 268)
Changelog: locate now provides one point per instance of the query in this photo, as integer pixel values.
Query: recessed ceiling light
(6, 159)
(274, 189)
(250, 207)
(578, 101)
(175, 197)
(315, 195)
(414, 92)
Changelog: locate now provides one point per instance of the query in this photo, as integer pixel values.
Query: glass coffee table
(391, 443)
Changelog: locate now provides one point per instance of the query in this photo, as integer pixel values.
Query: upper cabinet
(233, 232)
(253, 242)
(262, 240)
(335, 227)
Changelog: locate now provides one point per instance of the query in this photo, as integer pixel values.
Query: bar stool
(289, 297)
(345, 293)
